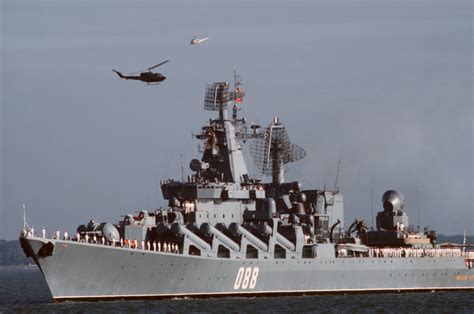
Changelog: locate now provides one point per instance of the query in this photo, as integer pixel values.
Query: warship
(225, 233)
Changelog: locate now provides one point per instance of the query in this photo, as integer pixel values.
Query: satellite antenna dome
(110, 232)
(301, 197)
(393, 200)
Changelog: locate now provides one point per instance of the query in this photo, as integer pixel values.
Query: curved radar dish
(274, 148)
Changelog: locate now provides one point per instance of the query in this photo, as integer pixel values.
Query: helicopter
(197, 41)
(145, 75)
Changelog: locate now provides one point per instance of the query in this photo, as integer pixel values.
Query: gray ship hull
(85, 271)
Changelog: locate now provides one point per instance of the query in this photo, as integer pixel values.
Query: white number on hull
(246, 278)
(253, 280)
(238, 280)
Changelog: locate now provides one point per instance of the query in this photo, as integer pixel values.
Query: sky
(387, 82)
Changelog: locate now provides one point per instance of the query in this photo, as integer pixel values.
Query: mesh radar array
(217, 96)
(274, 149)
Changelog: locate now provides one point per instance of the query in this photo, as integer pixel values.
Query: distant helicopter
(145, 75)
(197, 41)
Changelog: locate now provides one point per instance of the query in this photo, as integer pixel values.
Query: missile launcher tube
(181, 230)
(265, 229)
(208, 229)
(237, 229)
(284, 242)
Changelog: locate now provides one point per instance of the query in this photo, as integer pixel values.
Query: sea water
(26, 291)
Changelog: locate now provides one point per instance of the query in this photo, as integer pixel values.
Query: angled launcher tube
(284, 242)
(266, 230)
(208, 229)
(181, 230)
(237, 229)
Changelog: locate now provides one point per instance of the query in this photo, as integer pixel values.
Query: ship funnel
(393, 200)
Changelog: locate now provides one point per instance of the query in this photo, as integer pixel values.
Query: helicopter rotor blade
(155, 66)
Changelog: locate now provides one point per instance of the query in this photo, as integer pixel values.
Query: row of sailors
(156, 246)
(188, 207)
(411, 252)
(159, 246)
(31, 233)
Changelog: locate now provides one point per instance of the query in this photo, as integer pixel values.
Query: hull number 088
(246, 278)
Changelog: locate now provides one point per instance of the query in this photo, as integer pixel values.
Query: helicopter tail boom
(118, 73)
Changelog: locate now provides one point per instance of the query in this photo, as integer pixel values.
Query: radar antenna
(217, 96)
(274, 149)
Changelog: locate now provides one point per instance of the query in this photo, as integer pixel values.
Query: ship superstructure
(226, 233)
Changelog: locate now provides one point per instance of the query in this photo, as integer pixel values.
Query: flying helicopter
(196, 40)
(145, 75)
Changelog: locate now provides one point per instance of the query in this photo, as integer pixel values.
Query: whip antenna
(25, 225)
(337, 172)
